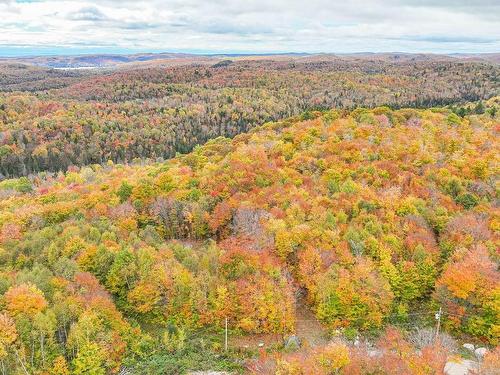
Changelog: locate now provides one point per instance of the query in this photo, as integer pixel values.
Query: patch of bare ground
(308, 329)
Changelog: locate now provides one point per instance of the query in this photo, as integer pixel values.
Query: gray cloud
(445, 39)
(87, 14)
(138, 25)
(256, 25)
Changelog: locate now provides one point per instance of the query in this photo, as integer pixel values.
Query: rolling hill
(373, 217)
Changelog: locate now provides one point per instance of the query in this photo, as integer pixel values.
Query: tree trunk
(32, 352)
(41, 348)
(21, 362)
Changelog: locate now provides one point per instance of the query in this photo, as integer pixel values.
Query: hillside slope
(154, 112)
(376, 216)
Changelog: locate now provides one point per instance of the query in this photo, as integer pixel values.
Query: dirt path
(255, 341)
(308, 328)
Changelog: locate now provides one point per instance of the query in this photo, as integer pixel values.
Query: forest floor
(308, 329)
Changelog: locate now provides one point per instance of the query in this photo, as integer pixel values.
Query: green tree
(89, 361)
(44, 325)
(479, 108)
(124, 191)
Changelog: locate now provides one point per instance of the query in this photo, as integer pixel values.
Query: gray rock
(461, 367)
(374, 353)
(292, 343)
(357, 342)
(480, 352)
(469, 347)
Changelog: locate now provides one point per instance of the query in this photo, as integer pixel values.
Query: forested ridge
(375, 218)
(79, 118)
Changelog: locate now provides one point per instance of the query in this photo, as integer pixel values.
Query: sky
(44, 27)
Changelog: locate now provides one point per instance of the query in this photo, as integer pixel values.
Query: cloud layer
(250, 26)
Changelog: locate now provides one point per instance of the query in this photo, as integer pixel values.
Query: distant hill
(96, 60)
(51, 119)
(166, 58)
(16, 76)
(488, 57)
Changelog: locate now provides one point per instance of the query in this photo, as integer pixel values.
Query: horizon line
(132, 52)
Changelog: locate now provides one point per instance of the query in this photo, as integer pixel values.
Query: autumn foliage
(374, 217)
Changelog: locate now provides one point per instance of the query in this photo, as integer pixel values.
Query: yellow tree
(8, 335)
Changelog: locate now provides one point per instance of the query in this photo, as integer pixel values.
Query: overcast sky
(248, 26)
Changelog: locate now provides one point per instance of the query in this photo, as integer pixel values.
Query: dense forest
(51, 119)
(373, 219)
